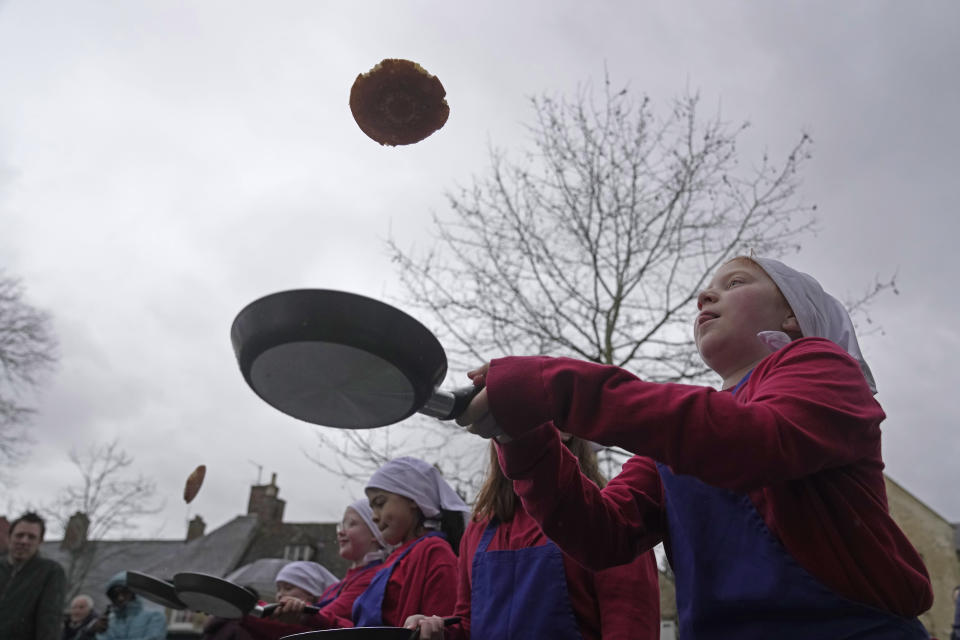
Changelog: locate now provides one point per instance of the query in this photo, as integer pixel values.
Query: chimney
(264, 502)
(195, 528)
(4, 534)
(75, 535)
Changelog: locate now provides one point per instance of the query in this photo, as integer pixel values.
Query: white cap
(309, 576)
(362, 508)
(818, 313)
(421, 482)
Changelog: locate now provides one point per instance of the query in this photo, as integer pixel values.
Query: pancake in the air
(398, 102)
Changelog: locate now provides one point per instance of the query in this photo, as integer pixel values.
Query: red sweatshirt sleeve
(600, 528)
(629, 599)
(439, 595)
(812, 410)
(423, 582)
(468, 546)
(338, 613)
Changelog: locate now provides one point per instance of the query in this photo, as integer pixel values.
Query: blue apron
(520, 593)
(734, 578)
(368, 608)
(340, 585)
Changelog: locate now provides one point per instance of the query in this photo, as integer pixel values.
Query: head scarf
(309, 576)
(362, 509)
(421, 482)
(818, 313)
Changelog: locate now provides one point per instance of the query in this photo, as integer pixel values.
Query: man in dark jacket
(32, 588)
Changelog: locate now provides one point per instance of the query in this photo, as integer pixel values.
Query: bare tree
(595, 243)
(357, 454)
(108, 500)
(27, 350)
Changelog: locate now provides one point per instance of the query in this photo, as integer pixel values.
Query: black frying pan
(154, 589)
(219, 597)
(342, 360)
(213, 595)
(365, 633)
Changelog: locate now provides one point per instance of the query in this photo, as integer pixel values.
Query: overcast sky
(164, 163)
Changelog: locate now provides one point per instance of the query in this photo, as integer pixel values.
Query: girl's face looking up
(397, 517)
(354, 537)
(740, 301)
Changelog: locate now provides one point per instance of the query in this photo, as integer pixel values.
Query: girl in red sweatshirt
(423, 518)
(507, 565)
(768, 494)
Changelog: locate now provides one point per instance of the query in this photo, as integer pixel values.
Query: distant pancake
(194, 480)
(398, 102)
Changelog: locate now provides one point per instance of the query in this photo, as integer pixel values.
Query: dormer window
(298, 552)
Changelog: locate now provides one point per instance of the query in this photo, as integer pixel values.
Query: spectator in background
(80, 619)
(32, 588)
(128, 620)
(4, 535)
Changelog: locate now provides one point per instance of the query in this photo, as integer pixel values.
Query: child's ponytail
(452, 525)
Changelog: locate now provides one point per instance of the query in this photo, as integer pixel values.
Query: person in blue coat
(128, 619)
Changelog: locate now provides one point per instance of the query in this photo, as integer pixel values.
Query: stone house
(936, 540)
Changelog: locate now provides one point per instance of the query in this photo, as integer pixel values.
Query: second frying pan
(219, 597)
(213, 595)
(154, 589)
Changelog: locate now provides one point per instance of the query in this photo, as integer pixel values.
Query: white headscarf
(362, 508)
(818, 313)
(421, 482)
(309, 576)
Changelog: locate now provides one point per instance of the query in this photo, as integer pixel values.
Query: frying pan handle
(415, 634)
(267, 610)
(447, 405)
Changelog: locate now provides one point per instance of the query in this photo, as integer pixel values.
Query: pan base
(210, 605)
(332, 384)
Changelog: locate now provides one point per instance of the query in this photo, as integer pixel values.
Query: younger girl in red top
(768, 494)
(508, 565)
(299, 580)
(423, 517)
(361, 543)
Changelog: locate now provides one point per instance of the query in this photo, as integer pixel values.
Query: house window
(297, 552)
(184, 620)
